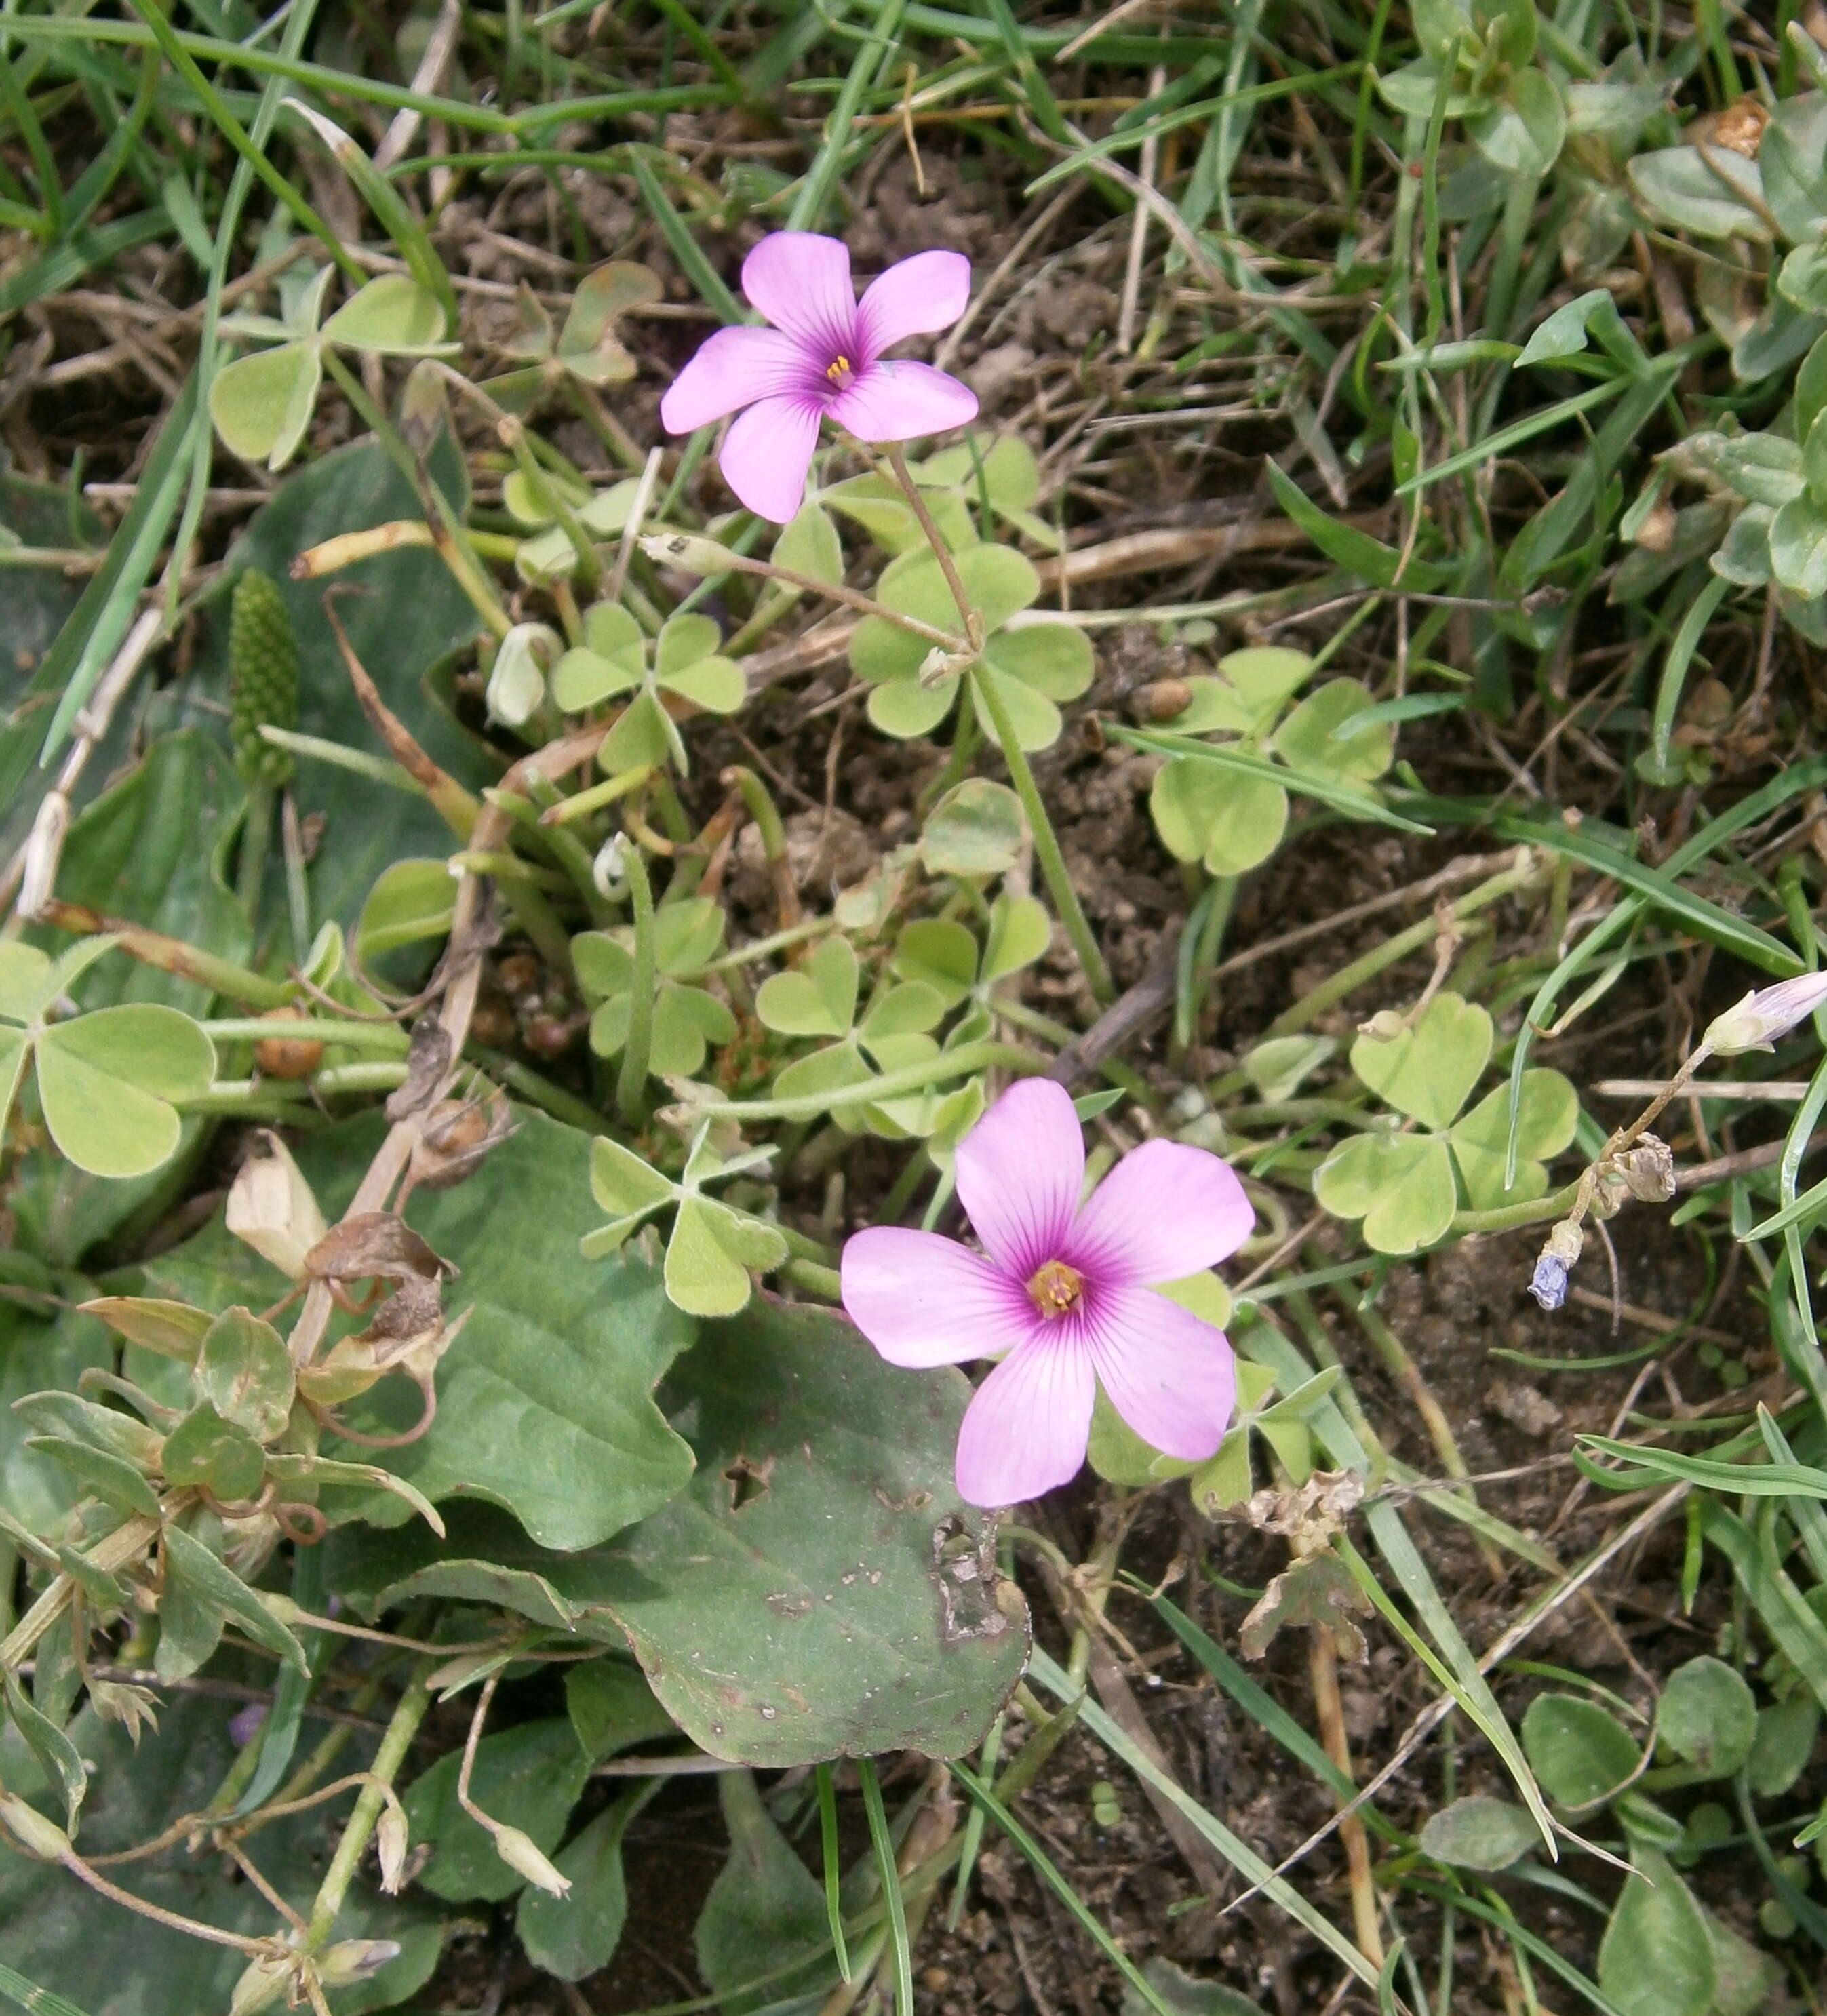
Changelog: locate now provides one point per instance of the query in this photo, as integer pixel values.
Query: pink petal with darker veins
(734, 368)
(1026, 1428)
(1165, 1211)
(898, 400)
(921, 1300)
(767, 453)
(800, 280)
(929, 291)
(1019, 1172)
(1171, 1377)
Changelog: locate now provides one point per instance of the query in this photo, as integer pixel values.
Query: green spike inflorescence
(263, 678)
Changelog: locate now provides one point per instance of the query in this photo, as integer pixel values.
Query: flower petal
(800, 280)
(897, 400)
(1019, 1170)
(927, 292)
(1165, 1211)
(921, 1300)
(1026, 1429)
(733, 368)
(767, 453)
(1172, 1378)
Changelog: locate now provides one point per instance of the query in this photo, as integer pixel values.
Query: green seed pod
(263, 678)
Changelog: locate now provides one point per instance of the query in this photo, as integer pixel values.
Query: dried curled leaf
(374, 1246)
(1316, 1589)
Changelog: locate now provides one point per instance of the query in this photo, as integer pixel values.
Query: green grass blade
(815, 191)
(1047, 1673)
(834, 1867)
(1043, 1867)
(882, 1841)
(29, 1995)
(1227, 756)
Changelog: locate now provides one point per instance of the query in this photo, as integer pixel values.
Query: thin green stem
(256, 839)
(409, 1712)
(960, 1063)
(631, 1085)
(1047, 849)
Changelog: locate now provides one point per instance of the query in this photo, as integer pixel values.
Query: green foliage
(1033, 665)
(1232, 821)
(1480, 1832)
(687, 936)
(713, 1248)
(106, 1080)
(1406, 1187)
(614, 659)
(262, 404)
(1581, 1752)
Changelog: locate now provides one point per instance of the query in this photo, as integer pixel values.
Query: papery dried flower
(272, 1207)
(391, 1842)
(1064, 1291)
(1765, 1014)
(1548, 1283)
(822, 359)
(351, 1961)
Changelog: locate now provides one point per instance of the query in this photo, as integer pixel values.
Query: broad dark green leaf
(546, 1398)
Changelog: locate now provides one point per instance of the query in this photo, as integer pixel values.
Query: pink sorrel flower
(1064, 1290)
(822, 359)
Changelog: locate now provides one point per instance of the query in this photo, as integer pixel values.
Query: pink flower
(1064, 1291)
(822, 357)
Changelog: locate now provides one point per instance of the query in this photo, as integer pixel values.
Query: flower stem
(942, 552)
(631, 1085)
(960, 1063)
(409, 1712)
(1046, 849)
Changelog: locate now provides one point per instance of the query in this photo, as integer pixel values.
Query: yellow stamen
(1056, 1289)
(838, 370)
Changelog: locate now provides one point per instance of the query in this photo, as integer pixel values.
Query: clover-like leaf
(711, 1253)
(877, 505)
(1205, 813)
(611, 660)
(392, 316)
(810, 545)
(976, 829)
(1428, 1070)
(261, 404)
(1318, 737)
(999, 583)
(1547, 1113)
(1400, 1185)
(106, 1081)
(817, 998)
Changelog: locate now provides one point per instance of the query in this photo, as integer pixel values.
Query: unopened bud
(609, 871)
(523, 1857)
(351, 1961)
(517, 681)
(690, 554)
(263, 1982)
(29, 1828)
(271, 1208)
(391, 1839)
(1384, 1027)
(1756, 1022)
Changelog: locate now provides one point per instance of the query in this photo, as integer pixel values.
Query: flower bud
(391, 1839)
(351, 1961)
(271, 1207)
(516, 681)
(522, 1854)
(263, 1982)
(30, 1830)
(1765, 1014)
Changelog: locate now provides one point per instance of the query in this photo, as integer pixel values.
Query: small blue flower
(1548, 1283)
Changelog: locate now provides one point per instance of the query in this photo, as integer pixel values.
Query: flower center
(1055, 1289)
(838, 370)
